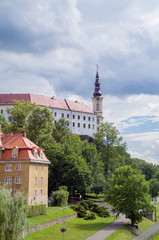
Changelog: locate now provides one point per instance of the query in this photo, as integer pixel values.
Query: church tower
(97, 101)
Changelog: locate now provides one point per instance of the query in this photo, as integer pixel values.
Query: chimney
(0, 136)
(23, 133)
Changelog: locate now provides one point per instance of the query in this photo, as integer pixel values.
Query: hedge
(36, 210)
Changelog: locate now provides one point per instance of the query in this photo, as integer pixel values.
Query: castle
(82, 120)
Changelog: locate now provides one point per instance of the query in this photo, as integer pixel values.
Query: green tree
(13, 212)
(40, 125)
(154, 187)
(5, 124)
(18, 115)
(111, 146)
(129, 193)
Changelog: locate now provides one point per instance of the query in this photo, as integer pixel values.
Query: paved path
(108, 230)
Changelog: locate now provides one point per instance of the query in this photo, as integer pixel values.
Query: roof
(51, 102)
(24, 146)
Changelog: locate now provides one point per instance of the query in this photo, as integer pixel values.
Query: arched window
(97, 107)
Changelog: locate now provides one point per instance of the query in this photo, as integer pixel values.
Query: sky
(51, 48)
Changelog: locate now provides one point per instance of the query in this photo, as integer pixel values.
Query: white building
(82, 120)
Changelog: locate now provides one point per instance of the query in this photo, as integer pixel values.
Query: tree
(40, 125)
(5, 124)
(111, 147)
(154, 187)
(13, 211)
(18, 115)
(129, 193)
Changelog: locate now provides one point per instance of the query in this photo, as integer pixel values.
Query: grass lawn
(125, 234)
(77, 229)
(50, 215)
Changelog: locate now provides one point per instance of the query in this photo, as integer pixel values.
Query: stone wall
(49, 224)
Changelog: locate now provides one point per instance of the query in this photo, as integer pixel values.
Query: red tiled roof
(24, 145)
(6, 99)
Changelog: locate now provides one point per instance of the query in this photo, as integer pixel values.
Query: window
(41, 180)
(89, 126)
(41, 154)
(97, 107)
(36, 167)
(35, 193)
(18, 180)
(84, 118)
(73, 116)
(36, 180)
(97, 121)
(1, 111)
(78, 124)
(78, 116)
(68, 116)
(73, 124)
(35, 153)
(93, 119)
(93, 126)
(14, 153)
(62, 115)
(7, 180)
(41, 192)
(89, 119)
(18, 167)
(41, 167)
(55, 114)
(84, 125)
(8, 167)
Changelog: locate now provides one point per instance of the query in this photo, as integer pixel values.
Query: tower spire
(97, 91)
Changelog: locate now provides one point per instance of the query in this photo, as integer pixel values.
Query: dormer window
(41, 154)
(35, 153)
(15, 152)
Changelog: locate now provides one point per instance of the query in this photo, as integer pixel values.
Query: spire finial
(97, 91)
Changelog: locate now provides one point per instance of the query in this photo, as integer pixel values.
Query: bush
(90, 216)
(101, 211)
(81, 211)
(36, 210)
(87, 204)
(60, 197)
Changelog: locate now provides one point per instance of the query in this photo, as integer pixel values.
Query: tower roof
(97, 91)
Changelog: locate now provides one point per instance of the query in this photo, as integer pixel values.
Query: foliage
(18, 115)
(129, 193)
(5, 124)
(60, 197)
(36, 210)
(13, 212)
(81, 211)
(154, 187)
(111, 147)
(101, 211)
(90, 216)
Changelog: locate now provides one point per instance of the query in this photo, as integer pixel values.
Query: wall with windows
(38, 183)
(79, 123)
(14, 175)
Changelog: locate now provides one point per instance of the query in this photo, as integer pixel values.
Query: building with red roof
(24, 167)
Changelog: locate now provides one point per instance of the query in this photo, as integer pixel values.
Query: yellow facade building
(23, 167)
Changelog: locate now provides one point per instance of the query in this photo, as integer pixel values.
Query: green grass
(92, 196)
(50, 215)
(77, 229)
(125, 233)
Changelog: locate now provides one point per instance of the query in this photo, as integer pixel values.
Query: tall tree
(128, 192)
(111, 146)
(13, 212)
(18, 115)
(5, 124)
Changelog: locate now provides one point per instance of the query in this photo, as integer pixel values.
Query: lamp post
(155, 203)
(63, 229)
(72, 194)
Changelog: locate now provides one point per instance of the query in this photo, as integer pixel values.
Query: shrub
(60, 197)
(90, 216)
(101, 211)
(81, 211)
(36, 210)
(87, 204)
